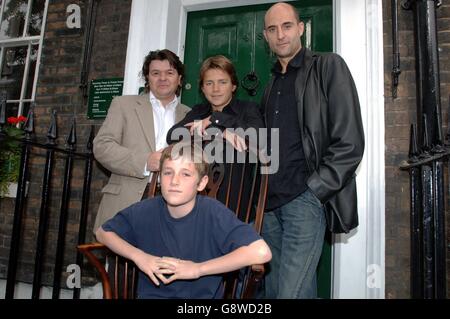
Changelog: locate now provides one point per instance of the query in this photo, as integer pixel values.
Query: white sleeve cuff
(146, 172)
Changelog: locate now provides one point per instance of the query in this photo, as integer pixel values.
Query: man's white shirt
(163, 120)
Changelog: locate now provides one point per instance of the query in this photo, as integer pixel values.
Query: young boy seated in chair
(183, 242)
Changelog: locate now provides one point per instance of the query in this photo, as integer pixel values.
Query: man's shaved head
(278, 6)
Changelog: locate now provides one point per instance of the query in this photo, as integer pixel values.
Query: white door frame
(358, 257)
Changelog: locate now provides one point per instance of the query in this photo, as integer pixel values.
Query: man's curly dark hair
(162, 55)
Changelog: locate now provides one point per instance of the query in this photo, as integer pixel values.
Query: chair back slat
(116, 277)
(241, 189)
(252, 193)
(125, 281)
(133, 283)
(230, 178)
(216, 176)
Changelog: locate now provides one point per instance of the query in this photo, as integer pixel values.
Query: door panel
(217, 39)
(215, 32)
(237, 33)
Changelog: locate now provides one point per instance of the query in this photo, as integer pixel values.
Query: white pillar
(148, 24)
(359, 256)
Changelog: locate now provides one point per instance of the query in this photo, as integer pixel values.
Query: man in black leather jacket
(312, 101)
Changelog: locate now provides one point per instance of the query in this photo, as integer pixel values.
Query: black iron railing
(69, 154)
(426, 161)
(427, 225)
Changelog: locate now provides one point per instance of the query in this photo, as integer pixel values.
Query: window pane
(12, 109)
(12, 72)
(31, 71)
(13, 19)
(25, 108)
(37, 12)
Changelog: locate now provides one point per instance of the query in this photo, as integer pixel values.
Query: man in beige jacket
(133, 135)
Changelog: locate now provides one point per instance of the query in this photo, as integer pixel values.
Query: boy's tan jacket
(122, 146)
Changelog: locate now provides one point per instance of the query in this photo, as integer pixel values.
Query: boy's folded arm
(149, 264)
(117, 244)
(256, 253)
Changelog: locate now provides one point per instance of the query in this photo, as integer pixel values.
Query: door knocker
(250, 83)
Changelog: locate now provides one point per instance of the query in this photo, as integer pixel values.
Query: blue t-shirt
(209, 231)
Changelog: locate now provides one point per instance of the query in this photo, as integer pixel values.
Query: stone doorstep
(23, 291)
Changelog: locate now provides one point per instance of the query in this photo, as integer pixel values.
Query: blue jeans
(295, 234)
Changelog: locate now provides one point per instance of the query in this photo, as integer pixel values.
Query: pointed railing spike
(90, 143)
(52, 130)
(425, 140)
(413, 147)
(438, 147)
(72, 138)
(29, 124)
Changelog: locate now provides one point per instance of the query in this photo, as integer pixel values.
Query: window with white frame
(21, 33)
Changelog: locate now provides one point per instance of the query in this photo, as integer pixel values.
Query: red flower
(21, 118)
(13, 120)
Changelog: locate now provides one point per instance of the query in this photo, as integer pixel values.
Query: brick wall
(58, 89)
(399, 114)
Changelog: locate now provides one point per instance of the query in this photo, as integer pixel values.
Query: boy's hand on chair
(154, 267)
(182, 269)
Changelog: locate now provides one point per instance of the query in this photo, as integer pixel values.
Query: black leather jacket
(332, 134)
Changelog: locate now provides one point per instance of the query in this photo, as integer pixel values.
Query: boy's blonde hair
(189, 151)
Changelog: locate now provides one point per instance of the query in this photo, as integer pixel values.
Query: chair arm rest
(255, 276)
(87, 250)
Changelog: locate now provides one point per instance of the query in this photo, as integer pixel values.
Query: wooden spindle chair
(242, 187)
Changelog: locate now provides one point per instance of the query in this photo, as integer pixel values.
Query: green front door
(237, 33)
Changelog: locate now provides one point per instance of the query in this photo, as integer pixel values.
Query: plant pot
(12, 191)
(9, 173)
